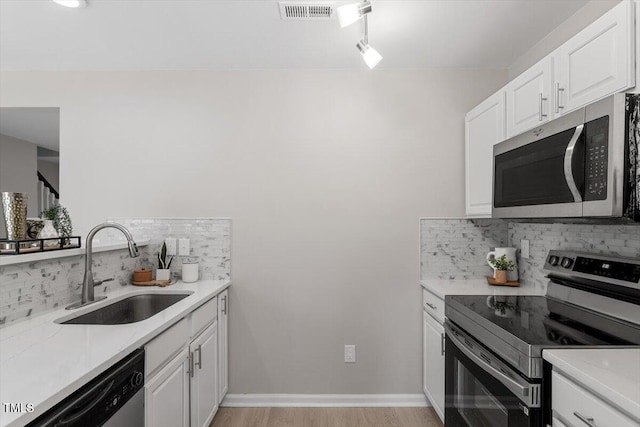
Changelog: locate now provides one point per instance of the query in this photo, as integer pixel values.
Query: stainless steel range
(495, 375)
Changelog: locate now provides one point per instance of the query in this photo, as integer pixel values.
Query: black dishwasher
(114, 398)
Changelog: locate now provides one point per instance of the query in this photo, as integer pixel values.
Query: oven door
(483, 391)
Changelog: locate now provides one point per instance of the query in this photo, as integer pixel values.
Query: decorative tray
(161, 283)
(493, 282)
(29, 246)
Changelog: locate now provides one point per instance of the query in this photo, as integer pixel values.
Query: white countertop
(443, 287)
(42, 362)
(613, 374)
(39, 256)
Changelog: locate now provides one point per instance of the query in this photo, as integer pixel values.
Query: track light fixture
(350, 13)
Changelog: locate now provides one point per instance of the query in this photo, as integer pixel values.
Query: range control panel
(596, 267)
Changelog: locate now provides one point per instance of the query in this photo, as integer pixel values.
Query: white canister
(189, 272)
(510, 255)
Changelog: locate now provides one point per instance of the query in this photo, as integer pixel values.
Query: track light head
(350, 13)
(369, 54)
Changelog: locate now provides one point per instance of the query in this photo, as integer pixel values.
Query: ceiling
(249, 34)
(40, 126)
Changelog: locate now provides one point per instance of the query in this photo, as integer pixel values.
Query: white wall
(325, 174)
(572, 26)
(18, 167)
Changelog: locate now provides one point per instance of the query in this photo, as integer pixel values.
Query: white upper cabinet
(528, 98)
(598, 61)
(484, 127)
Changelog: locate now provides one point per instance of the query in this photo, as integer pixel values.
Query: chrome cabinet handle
(441, 344)
(191, 367)
(224, 305)
(433, 307)
(199, 362)
(587, 420)
(558, 90)
(541, 115)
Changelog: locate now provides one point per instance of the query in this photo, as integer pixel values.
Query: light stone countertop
(42, 362)
(612, 374)
(443, 287)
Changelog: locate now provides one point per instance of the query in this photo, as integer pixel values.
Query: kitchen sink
(129, 310)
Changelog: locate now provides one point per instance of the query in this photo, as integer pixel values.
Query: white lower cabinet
(182, 370)
(204, 376)
(223, 345)
(575, 406)
(167, 394)
(433, 362)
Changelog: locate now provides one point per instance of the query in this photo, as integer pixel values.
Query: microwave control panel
(597, 156)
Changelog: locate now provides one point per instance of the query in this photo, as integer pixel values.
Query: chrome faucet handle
(100, 282)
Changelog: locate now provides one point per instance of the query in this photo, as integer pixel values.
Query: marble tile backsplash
(621, 240)
(36, 287)
(210, 242)
(457, 248)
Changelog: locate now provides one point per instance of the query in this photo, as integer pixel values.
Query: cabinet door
(596, 62)
(204, 378)
(557, 423)
(167, 394)
(528, 98)
(484, 127)
(433, 360)
(223, 345)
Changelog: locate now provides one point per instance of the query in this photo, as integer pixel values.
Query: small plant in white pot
(164, 262)
(502, 265)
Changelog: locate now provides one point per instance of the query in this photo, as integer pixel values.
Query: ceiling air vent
(305, 10)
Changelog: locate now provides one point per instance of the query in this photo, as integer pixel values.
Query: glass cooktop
(540, 321)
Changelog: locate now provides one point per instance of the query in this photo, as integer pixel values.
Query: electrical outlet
(349, 354)
(524, 249)
(171, 246)
(184, 247)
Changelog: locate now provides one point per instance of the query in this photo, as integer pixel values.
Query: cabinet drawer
(570, 401)
(162, 347)
(204, 316)
(433, 305)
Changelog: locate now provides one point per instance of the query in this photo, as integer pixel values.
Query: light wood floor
(326, 417)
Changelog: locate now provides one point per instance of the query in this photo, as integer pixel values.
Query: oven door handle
(568, 168)
(522, 392)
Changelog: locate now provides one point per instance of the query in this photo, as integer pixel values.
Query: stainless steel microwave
(583, 164)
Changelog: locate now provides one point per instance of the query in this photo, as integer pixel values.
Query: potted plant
(58, 217)
(502, 265)
(164, 262)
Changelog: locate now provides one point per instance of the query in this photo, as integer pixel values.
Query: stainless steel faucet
(88, 282)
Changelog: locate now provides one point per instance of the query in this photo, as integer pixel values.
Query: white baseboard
(324, 400)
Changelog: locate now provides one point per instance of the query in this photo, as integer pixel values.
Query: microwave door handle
(568, 169)
(521, 391)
